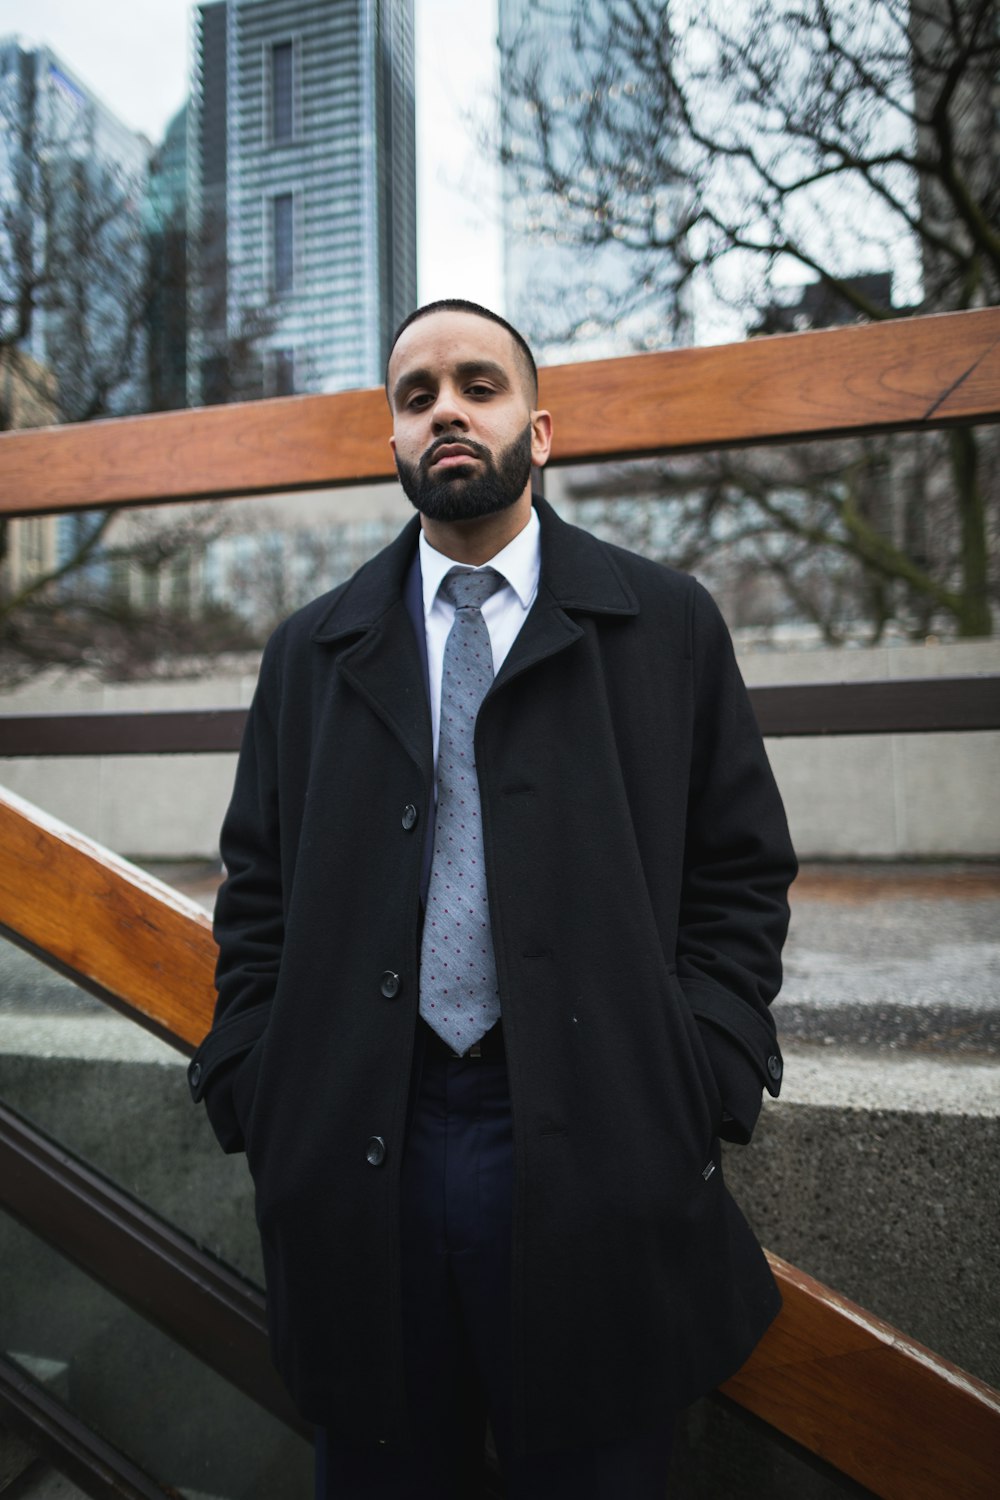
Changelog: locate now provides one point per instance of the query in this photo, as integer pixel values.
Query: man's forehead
(452, 338)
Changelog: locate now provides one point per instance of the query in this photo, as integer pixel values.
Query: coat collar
(578, 573)
(384, 663)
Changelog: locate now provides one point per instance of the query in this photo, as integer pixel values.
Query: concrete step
(25, 1474)
(42, 1482)
(16, 1457)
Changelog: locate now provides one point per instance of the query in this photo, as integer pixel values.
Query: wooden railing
(848, 1387)
(917, 373)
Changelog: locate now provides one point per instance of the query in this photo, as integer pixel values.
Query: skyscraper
(302, 172)
(166, 216)
(72, 238)
(73, 276)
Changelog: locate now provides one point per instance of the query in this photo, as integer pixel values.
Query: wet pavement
(894, 957)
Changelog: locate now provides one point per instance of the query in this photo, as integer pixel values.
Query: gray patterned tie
(458, 977)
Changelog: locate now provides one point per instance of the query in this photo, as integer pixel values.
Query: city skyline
(137, 61)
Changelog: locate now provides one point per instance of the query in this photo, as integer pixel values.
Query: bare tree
(92, 284)
(734, 150)
(73, 287)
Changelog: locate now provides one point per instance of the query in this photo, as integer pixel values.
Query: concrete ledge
(836, 1079)
(883, 796)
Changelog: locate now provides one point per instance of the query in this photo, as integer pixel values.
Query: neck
(475, 542)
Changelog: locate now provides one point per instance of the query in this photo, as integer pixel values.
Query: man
(506, 894)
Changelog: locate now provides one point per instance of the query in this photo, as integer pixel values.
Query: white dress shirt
(504, 612)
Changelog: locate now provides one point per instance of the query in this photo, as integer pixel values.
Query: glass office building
(302, 191)
(72, 237)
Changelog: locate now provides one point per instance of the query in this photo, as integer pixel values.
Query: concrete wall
(877, 797)
(894, 796)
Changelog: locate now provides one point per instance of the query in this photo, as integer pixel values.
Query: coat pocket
(244, 1088)
(702, 1062)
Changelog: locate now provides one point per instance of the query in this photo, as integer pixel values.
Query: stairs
(26, 1475)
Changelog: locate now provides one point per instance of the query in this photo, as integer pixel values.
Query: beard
(460, 495)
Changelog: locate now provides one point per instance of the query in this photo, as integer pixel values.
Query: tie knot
(464, 589)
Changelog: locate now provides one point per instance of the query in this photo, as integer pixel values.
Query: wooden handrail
(852, 1389)
(917, 705)
(912, 372)
(837, 1380)
(121, 934)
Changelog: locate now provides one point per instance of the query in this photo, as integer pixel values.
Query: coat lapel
(384, 663)
(578, 576)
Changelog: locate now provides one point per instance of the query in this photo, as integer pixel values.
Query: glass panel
(720, 1449)
(181, 1422)
(870, 541)
(118, 1097)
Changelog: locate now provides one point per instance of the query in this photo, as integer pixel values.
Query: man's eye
(480, 390)
(419, 400)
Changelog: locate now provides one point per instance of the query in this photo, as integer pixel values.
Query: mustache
(476, 450)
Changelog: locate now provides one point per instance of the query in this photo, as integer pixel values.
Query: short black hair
(459, 304)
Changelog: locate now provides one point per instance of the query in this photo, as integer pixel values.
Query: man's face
(464, 432)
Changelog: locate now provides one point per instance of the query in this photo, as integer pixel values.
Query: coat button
(410, 816)
(194, 1075)
(390, 984)
(774, 1066)
(375, 1152)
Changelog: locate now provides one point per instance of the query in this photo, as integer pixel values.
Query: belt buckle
(476, 1050)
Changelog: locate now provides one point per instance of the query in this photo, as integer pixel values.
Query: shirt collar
(519, 562)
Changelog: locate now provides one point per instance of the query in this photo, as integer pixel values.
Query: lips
(450, 456)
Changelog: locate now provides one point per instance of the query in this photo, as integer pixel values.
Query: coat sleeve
(249, 921)
(738, 865)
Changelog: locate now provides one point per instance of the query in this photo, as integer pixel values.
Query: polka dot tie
(459, 997)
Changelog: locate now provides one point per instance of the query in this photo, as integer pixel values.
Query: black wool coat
(637, 862)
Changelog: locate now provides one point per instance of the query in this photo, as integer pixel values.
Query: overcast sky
(134, 55)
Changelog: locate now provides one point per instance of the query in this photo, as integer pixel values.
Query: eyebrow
(467, 370)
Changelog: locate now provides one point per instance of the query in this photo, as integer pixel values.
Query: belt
(489, 1048)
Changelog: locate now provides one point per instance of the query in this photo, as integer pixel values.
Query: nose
(449, 411)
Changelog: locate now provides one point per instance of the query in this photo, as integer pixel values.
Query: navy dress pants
(457, 1194)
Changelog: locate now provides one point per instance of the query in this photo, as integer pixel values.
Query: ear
(392, 443)
(541, 437)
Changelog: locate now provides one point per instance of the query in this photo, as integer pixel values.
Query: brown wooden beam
(917, 705)
(845, 1385)
(913, 372)
(910, 372)
(875, 1404)
(123, 935)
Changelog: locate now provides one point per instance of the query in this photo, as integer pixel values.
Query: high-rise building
(72, 238)
(302, 198)
(73, 276)
(166, 216)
